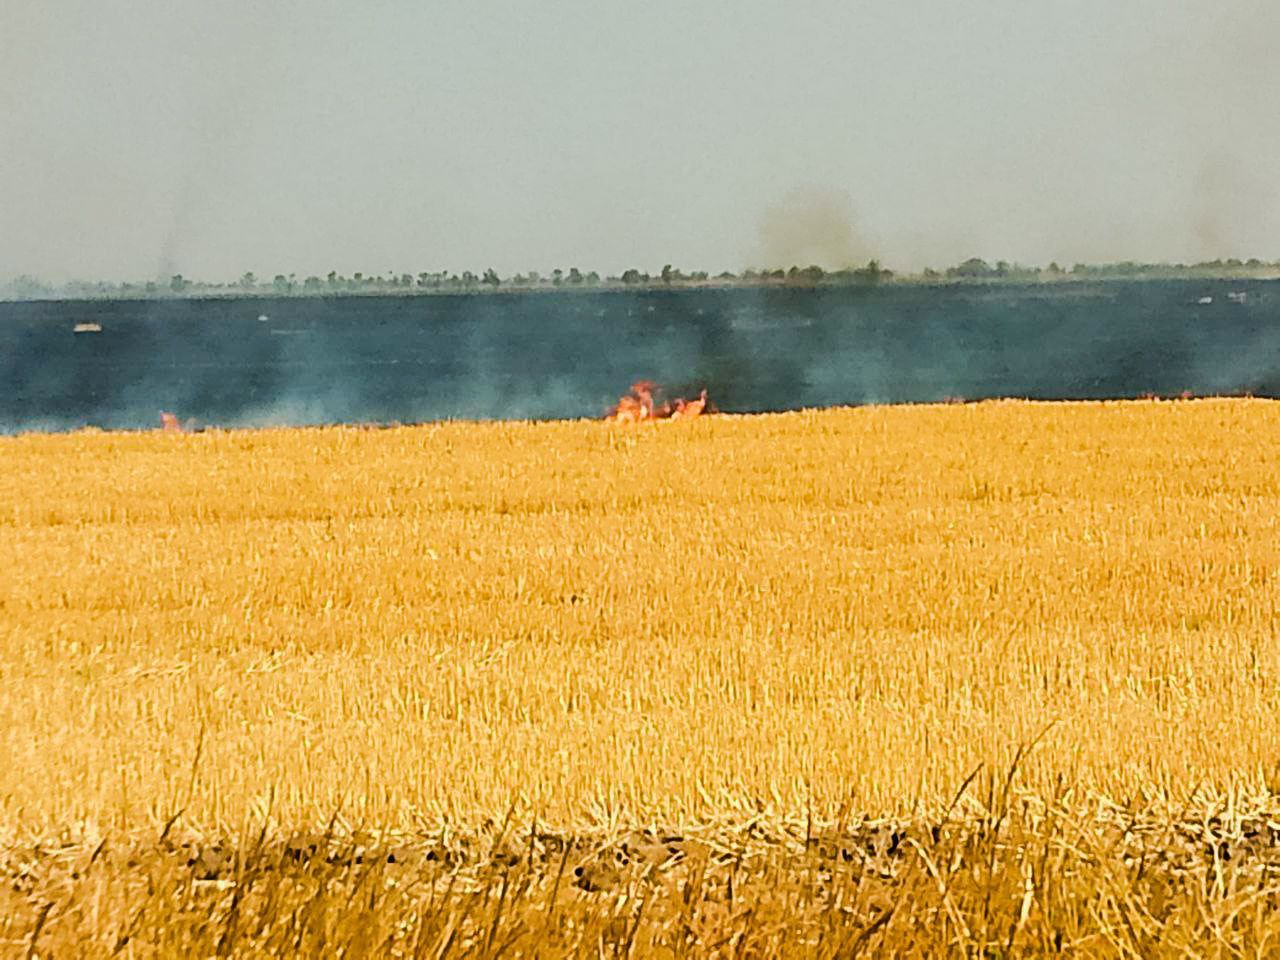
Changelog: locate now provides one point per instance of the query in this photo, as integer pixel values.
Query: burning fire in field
(170, 423)
(640, 404)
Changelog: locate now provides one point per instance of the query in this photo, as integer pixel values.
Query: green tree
(974, 267)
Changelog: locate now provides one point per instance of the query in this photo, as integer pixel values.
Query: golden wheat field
(511, 647)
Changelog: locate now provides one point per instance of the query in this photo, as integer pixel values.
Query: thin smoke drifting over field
(315, 360)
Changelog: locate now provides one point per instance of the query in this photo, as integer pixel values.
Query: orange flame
(636, 405)
(639, 405)
(687, 409)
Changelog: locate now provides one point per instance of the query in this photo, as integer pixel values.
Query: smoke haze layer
(301, 136)
(551, 355)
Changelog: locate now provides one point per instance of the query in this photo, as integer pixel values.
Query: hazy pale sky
(144, 137)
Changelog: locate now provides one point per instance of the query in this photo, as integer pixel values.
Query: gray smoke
(239, 59)
(812, 225)
(1223, 141)
(550, 355)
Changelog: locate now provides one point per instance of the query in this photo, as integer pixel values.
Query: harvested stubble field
(571, 688)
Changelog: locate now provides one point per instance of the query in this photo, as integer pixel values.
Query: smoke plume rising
(812, 225)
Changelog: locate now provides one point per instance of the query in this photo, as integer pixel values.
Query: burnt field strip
(243, 362)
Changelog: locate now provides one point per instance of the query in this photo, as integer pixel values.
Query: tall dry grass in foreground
(747, 632)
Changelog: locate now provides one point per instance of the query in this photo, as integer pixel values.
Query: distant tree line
(426, 282)
(977, 269)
